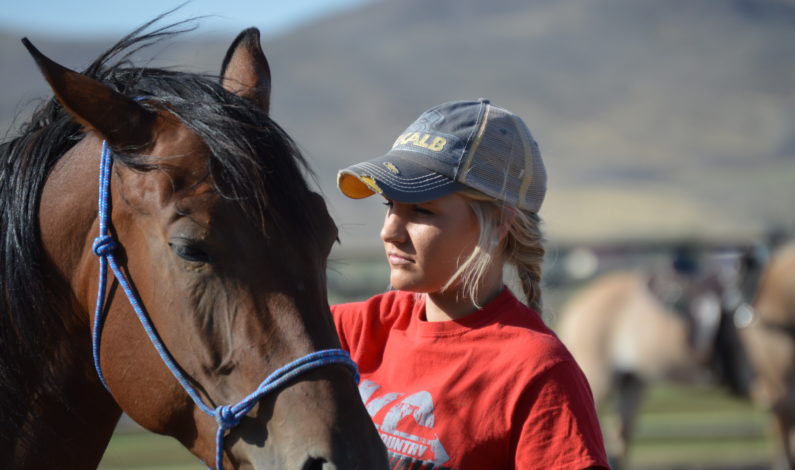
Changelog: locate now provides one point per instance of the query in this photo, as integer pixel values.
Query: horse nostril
(314, 464)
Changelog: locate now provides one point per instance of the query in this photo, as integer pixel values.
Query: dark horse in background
(631, 329)
(220, 237)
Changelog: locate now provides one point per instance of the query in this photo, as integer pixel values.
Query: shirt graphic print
(406, 425)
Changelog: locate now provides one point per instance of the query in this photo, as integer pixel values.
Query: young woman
(456, 372)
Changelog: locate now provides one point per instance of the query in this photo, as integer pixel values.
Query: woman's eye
(423, 210)
(190, 252)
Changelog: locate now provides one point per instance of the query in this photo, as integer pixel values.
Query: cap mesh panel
(498, 166)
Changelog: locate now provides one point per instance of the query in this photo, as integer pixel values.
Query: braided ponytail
(525, 250)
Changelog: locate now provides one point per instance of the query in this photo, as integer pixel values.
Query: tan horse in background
(625, 335)
(770, 341)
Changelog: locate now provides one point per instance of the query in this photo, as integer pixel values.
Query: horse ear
(245, 70)
(120, 120)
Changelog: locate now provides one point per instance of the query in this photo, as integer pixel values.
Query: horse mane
(253, 162)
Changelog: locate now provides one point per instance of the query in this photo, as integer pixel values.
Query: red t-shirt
(494, 390)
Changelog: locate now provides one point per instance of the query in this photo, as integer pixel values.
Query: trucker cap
(454, 146)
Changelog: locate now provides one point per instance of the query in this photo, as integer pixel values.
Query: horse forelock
(252, 161)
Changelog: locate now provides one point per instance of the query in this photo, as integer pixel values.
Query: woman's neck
(453, 304)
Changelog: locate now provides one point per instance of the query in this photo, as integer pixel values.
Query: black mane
(253, 162)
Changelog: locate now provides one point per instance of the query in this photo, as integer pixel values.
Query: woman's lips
(396, 259)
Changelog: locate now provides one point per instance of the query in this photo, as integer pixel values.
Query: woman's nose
(394, 229)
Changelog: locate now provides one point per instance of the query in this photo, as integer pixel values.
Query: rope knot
(104, 245)
(226, 417)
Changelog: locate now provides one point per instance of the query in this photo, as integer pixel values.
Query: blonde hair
(521, 247)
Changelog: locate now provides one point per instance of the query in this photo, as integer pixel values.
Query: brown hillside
(656, 119)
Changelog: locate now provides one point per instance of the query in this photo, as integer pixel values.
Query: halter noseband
(227, 416)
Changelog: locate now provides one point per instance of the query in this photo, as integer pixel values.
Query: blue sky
(76, 18)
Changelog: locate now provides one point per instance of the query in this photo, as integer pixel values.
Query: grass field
(680, 428)
(695, 428)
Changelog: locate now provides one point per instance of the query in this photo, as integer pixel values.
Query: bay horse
(770, 341)
(217, 245)
(630, 329)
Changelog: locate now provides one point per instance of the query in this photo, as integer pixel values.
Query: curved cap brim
(396, 177)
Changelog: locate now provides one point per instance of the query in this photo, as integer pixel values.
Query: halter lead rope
(227, 416)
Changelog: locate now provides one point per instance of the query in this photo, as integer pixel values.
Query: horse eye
(190, 252)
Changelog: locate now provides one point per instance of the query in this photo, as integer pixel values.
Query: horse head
(224, 244)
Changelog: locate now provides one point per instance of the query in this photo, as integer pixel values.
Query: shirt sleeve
(557, 423)
(345, 318)
(363, 329)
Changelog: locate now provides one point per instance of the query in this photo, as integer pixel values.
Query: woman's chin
(401, 281)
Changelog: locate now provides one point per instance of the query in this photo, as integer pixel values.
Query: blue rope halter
(227, 416)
